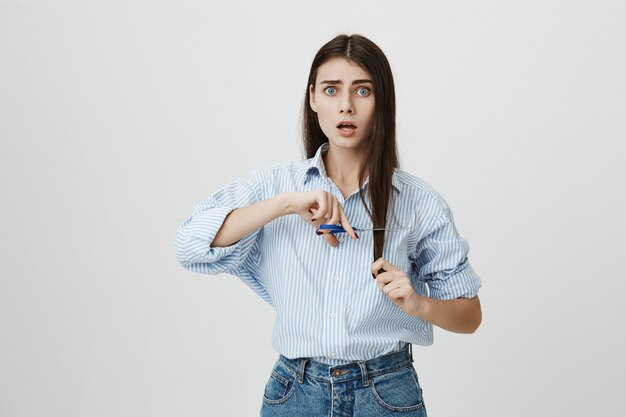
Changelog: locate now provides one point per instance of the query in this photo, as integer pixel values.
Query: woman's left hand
(397, 286)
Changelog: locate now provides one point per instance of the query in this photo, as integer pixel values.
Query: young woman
(350, 303)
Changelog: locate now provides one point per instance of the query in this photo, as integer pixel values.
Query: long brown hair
(382, 157)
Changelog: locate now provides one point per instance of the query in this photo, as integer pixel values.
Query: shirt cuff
(462, 282)
(196, 248)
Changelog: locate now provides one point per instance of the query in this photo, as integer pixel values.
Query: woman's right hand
(320, 207)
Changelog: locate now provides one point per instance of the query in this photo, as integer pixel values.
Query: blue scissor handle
(333, 228)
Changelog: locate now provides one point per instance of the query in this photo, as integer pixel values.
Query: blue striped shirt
(327, 305)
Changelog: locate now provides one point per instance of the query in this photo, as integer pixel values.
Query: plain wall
(117, 117)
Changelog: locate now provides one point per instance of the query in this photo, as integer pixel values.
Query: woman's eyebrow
(334, 82)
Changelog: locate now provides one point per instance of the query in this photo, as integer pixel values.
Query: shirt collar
(316, 167)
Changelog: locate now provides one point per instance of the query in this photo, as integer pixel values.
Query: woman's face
(343, 99)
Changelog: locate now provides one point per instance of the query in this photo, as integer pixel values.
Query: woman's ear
(312, 98)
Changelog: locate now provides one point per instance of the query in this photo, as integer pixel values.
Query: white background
(117, 117)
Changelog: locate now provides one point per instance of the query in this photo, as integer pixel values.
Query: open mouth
(346, 126)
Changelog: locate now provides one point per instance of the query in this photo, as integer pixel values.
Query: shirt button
(336, 278)
(340, 239)
(331, 315)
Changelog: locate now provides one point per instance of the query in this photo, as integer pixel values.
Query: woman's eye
(330, 91)
(363, 91)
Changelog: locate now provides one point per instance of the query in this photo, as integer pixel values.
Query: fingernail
(357, 236)
(373, 276)
(319, 232)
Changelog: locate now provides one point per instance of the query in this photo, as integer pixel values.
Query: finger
(382, 263)
(330, 204)
(391, 285)
(308, 216)
(312, 219)
(389, 276)
(377, 266)
(336, 212)
(397, 294)
(346, 225)
(380, 284)
(331, 239)
(323, 205)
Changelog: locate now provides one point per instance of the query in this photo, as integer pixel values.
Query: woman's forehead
(341, 69)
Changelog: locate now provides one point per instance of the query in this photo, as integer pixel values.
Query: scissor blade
(373, 230)
(333, 228)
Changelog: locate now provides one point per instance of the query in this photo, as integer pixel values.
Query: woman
(343, 338)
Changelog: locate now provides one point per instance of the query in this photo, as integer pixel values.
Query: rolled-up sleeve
(195, 235)
(442, 262)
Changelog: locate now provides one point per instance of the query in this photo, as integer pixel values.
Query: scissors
(337, 228)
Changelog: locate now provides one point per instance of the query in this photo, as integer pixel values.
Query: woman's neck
(343, 165)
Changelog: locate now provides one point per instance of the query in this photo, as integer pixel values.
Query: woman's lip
(346, 133)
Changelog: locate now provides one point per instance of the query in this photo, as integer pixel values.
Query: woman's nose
(346, 104)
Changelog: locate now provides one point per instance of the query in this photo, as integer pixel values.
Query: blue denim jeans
(383, 386)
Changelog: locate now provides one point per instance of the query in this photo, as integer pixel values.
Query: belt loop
(364, 375)
(301, 370)
(411, 350)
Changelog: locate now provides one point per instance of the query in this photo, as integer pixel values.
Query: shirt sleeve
(441, 259)
(197, 231)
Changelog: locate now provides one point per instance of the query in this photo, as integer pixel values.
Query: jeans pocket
(398, 390)
(280, 385)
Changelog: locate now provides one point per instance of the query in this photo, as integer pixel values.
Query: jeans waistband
(363, 370)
